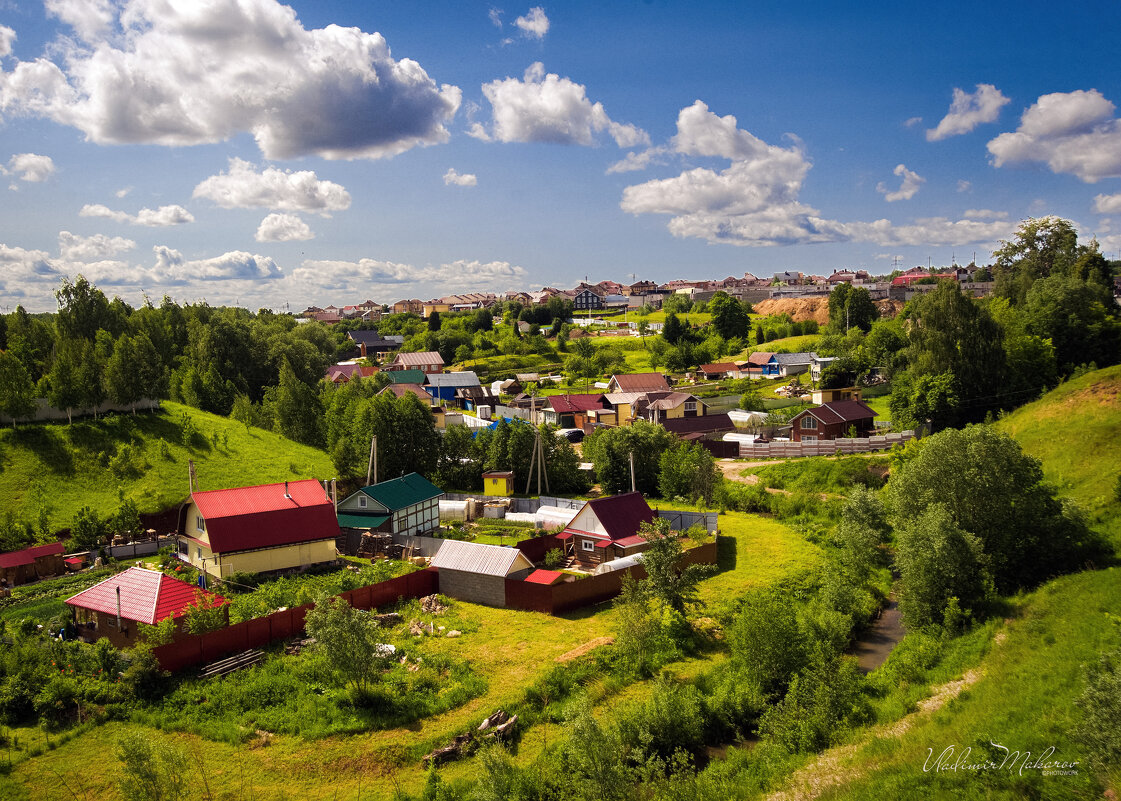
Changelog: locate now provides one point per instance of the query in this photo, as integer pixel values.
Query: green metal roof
(405, 376)
(397, 493)
(361, 521)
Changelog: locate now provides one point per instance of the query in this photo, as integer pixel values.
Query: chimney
(286, 493)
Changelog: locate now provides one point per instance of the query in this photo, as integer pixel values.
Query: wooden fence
(826, 447)
(197, 649)
(557, 598)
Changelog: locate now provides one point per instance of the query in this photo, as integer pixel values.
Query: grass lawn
(799, 344)
(63, 468)
(689, 318)
(509, 649)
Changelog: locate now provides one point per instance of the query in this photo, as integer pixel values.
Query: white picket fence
(827, 447)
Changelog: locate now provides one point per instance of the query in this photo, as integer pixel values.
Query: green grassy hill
(61, 468)
(1075, 430)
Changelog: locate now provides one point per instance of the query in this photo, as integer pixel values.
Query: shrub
(554, 558)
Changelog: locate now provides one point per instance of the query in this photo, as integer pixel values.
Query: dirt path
(568, 656)
(835, 767)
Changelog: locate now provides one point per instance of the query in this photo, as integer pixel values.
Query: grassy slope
(1075, 431)
(57, 465)
(510, 648)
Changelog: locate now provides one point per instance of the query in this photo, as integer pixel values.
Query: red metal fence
(196, 649)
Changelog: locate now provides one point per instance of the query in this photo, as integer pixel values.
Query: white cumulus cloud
(7, 36)
(1071, 132)
(1107, 204)
(171, 267)
(908, 188)
(547, 108)
(967, 111)
(72, 247)
(354, 275)
(162, 217)
(158, 72)
(283, 228)
(242, 187)
(30, 167)
(755, 200)
(534, 24)
(452, 177)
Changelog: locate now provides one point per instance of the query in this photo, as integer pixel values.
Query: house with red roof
(638, 382)
(833, 420)
(30, 564)
(573, 411)
(261, 529)
(114, 607)
(607, 528)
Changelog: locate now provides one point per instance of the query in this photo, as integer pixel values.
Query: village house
(443, 386)
(606, 529)
(833, 420)
(719, 371)
(431, 362)
(695, 428)
(571, 411)
(372, 343)
(31, 564)
(409, 505)
(115, 607)
(342, 373)
(657, 407)
(638, 382)
(260, 529)
(588, 298)
(413, 306)
(439, 415)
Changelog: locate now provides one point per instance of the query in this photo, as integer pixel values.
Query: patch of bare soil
(583, 649)
(835, 767)
(817, 308)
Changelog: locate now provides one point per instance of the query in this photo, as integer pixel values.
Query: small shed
(470, 571)
(498, 482)
(30, 564)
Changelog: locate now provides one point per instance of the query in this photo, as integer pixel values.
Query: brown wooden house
(834, 420)
(31, 564)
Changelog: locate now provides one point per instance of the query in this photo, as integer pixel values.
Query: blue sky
(328, 152)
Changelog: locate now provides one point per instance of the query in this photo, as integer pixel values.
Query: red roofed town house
(607, 528)
(833, 420)
(258, 529)
(114, 607)
(20, 567)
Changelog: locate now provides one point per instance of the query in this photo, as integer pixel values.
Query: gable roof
(375, 339)
(27, 556)
(461, 378)
(846, 411)
(669, 400)
(397, 493)
(722, 367)
(563, 404)
(416, 359)
(474, 557)
(641, 382)
(406, 376)
(244, 518)
(147, 596)
(759, 357)
(792, 358)
(400, 390)
(621, 515)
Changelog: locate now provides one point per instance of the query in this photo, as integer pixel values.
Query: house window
(809, 422)
(198, 553)
(361, 501)
(200, 524)
(184, 548)
(690, 406)
(587, 545)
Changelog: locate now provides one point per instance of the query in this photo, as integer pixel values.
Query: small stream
(872, 648)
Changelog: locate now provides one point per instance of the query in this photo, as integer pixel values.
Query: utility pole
(632, 471)
(372, 467)
(192, 479)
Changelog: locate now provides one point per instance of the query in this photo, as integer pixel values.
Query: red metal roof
(28, 555)
(602, 543)
(627, 542)
(147, 596)
(641, 382)
(621, 515)
(262, 517)
(841, 411)
(564, 535)
(575, 403)
(544, 577)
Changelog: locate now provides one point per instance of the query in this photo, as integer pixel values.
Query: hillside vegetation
(1075, 430)
(60, 468)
